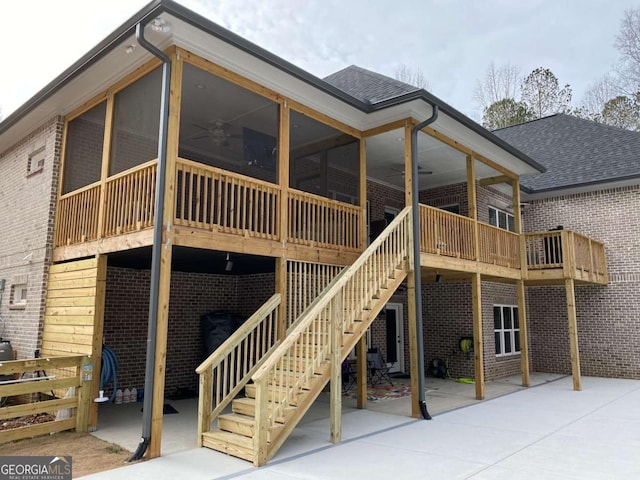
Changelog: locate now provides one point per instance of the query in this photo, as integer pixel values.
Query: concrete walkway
(544, 432)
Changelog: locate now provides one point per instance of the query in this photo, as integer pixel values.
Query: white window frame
(19, 294)
(36, 161)
(502, 331)
(508, 216)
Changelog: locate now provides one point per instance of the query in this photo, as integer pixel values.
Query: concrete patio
(548, 431)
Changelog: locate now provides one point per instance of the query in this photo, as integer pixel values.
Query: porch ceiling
(385, 161)
(195, 260)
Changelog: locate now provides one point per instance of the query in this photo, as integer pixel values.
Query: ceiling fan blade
(198, 136)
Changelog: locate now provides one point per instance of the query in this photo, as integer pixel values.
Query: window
(501, 219)
(18, 296)
(451, 208)
(507, 329)
(36, 161)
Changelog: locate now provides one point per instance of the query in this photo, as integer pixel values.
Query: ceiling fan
(216, 131)
(421, 171)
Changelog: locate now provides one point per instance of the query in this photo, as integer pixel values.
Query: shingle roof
(367, 86)
(574, 151)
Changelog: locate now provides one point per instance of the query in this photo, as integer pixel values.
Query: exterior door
(395, 337)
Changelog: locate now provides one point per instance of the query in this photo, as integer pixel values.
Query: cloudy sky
(451, 41)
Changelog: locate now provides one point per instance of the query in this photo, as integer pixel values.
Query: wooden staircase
(292, 375)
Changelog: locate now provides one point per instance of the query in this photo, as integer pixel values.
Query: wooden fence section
(322, 222)
(499, 246)
(74, 297)
(77, 216)
(544, 250)
(129, 199)
(68, 377)
(227, 370)
(211, 198)
(305, 281)
(445, 233)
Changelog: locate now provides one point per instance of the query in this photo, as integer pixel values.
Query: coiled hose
(109, 371)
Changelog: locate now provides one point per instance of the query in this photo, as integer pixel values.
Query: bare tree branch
(412, 76)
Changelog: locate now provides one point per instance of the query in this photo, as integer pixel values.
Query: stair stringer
(348, 344)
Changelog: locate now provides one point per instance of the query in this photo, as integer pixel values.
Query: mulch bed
(26, 421)
(382, 392)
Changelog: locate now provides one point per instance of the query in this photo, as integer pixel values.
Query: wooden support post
(517, 221)
(472, 201)
(106, 158)
(478, 342)
(573, 333)
(411, 283)
(173, 132)
(363, 194)
(524, 343)
(86, 374)
(281, 288)
(97, 341)
(262, 426)
(361, 372)
(337, 322)
(205, 403)
(283, 173)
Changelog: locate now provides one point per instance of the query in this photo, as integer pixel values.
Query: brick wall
(608, 316)
(192, 295)
(26, 237)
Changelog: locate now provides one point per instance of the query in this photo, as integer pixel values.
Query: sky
(451, 41)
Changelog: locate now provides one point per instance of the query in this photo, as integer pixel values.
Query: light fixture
(160, 25)
(130, 48)
(229, 264)
(439, 278)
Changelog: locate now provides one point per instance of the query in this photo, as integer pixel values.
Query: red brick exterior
(192, 295)
(27, 203)
(608, 333)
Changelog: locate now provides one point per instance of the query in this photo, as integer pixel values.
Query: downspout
(157, 244)
(416, 256)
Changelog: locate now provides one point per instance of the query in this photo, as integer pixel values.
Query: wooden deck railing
(77, 219)
(44, 376)
(589, 254)
(129, 199)
(445, 233)
(499, 246)
(311, 341)
(227, 370)
(548, 250)
(322, 222)
(216, 199)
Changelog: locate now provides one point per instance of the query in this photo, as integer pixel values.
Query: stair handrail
(266, 419)
(256, 338)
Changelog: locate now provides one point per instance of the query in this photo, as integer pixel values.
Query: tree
(504, 113)
(628, 44)
(542, 94)
(596, 96)
(500, 83)
(411, 76)
(622, 112)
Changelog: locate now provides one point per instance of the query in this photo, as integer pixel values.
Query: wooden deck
(222, 210)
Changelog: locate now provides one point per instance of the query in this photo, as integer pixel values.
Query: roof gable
(367, 86)
(574, 151)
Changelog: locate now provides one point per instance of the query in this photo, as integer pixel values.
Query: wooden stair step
(250, 392)
(229, 443)
(244, 425)
(247, 406)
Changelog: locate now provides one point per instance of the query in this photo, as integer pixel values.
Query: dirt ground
(89, 454)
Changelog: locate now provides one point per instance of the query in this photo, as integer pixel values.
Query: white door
(395, 337)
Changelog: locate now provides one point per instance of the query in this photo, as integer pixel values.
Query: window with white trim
(36, 161)
(501, 219)
(18, 295)
(507, 329)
